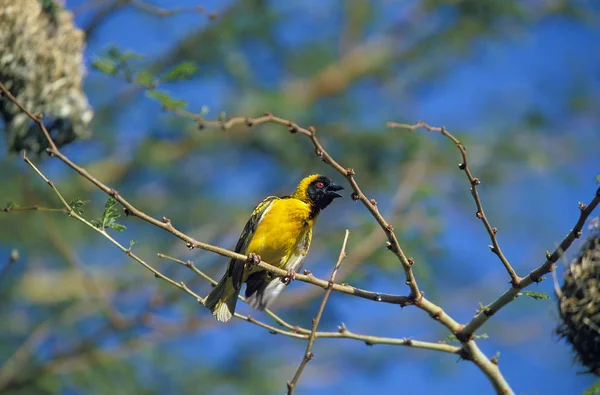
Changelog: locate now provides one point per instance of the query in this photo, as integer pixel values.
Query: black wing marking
(236, 267)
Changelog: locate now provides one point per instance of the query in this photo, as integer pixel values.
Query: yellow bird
(279, 232)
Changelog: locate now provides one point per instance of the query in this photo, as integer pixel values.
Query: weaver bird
(278, 232)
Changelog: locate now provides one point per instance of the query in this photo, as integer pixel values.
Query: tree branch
(535, 276)
(495, 247)
(308, 355)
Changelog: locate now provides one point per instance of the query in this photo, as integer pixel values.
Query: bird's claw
(253, 259)
(289, 277)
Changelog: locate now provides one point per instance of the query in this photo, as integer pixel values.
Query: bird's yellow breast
(282, 231)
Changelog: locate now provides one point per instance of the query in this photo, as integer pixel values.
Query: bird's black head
(321, 191)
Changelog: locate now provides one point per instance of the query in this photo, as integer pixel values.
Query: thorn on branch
(166, 220)
(493, 249)
(389, 246)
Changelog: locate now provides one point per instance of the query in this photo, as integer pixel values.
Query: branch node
(350, 172)
(493, 249)
(476, 181)
(389, 228)
(373, 202)
(307, 272)
(389, 246)
(189, 245)
(113, 192)
(462, 165)
(582, 206)
(200, 125)
(267, 114)
(355, 196)
(411, 261)
(494, 230)
(126, 211)
(166, 220)
(312, 130)
(479, 215)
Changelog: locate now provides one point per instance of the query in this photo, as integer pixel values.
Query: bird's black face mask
(322, 191)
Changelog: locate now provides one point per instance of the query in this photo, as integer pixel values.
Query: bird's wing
(263, 289)
(236, 267)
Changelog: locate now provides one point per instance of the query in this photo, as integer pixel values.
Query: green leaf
(594, 389)
(598, 178)
(536, 295)
(131, 244)
(183, 71)
(10, 205)
(77, 205)
(145, 79)
(109, 217)
(105, 66)
(166, 100)
(130, 55)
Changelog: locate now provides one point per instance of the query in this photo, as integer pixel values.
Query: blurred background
(517, 81)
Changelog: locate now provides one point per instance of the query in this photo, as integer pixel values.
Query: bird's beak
(331, 190)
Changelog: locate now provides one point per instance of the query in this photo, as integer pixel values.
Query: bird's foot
(253, 259)
(289, 277)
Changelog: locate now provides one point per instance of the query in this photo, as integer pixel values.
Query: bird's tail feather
(222, 299)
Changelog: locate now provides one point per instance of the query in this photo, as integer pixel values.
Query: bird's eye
(320, 184)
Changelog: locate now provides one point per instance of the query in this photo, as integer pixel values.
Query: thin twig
(161, 12)
(473, 181)
(535, 276)
(11, 208)
(308, 355)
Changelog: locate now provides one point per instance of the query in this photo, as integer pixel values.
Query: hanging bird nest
(579, 305)
(41, 63)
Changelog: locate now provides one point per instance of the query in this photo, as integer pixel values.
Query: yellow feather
(281, 230)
